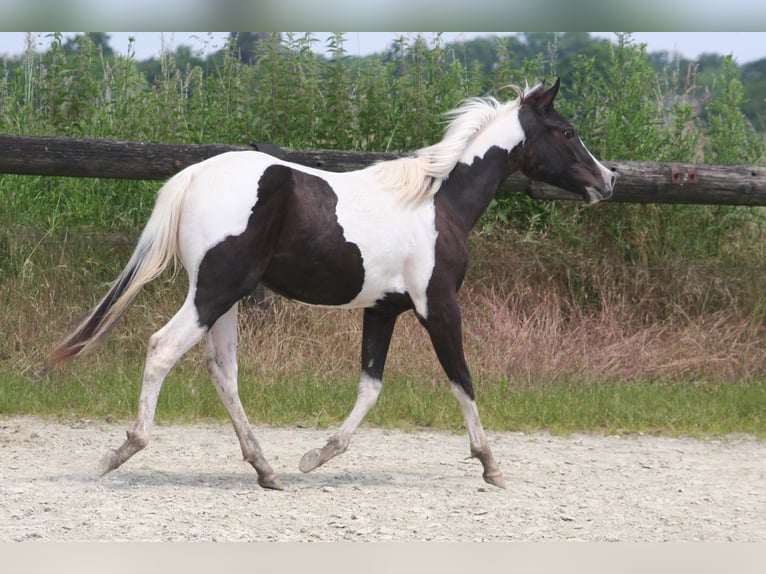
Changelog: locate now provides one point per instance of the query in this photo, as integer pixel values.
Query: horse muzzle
(595, 194)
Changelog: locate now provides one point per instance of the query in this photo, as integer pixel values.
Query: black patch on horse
(293, 243)
(466, 194)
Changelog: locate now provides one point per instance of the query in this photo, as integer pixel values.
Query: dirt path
(191, 484)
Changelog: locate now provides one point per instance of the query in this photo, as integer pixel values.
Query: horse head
(552, 152)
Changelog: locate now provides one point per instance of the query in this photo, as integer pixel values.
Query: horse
(388, 238)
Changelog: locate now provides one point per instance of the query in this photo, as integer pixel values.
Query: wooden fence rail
(638, 182)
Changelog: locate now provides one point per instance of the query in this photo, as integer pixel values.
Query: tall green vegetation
(277, 89)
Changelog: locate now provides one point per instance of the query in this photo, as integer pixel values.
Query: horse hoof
(495, 479)
(311, 460)
(109, 462)
(272, 482)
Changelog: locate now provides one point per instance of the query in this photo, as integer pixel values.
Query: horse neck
(470, 188)
(487, 161)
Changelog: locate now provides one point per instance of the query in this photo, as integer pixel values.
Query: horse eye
(569, 133)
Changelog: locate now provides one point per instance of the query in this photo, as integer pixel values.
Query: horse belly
(326, 280)
(344, 269)
(316, 277)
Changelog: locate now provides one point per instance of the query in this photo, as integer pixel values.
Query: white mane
(420, 175)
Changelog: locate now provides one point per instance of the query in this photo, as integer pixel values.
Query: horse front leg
(444, 327)
(477, 437)
(377, 328)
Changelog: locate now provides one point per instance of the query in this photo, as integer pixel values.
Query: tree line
(693, 77)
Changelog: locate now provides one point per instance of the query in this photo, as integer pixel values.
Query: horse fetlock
(483, 453)
(138, 440)
(492, 474)
(336, 445)
(115, 458)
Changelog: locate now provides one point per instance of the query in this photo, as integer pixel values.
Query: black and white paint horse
(386, 239)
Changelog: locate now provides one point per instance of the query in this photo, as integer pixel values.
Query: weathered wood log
(99, 158)
(643, 182)
(638, 182)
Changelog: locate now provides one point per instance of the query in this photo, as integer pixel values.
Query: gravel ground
(190, 484)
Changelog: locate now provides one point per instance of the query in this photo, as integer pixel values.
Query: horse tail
(156, 248)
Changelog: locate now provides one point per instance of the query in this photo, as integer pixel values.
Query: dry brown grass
(539, 322)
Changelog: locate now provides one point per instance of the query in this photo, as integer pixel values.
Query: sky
(744, 46)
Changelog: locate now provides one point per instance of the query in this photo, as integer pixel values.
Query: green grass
(710, 409)
(651, 407)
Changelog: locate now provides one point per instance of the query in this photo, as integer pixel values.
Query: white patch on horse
(470, 411)
(594, 196)
(506, 134)
(367, 396)
(214, 210)
(397, 242)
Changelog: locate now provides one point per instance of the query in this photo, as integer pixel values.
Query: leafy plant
(731, 139)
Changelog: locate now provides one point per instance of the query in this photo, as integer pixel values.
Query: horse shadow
(125, 479)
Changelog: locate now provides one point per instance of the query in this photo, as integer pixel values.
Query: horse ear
(546, 102)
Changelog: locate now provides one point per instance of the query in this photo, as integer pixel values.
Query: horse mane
(419, 176)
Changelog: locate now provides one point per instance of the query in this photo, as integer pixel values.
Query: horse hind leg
(166, 346)
(222, 365)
